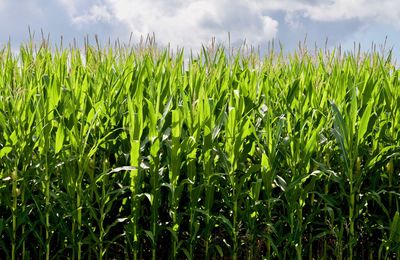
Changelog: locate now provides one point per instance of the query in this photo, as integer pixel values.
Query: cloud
(96, 13)
(339, 21)
(191, 23)
(69, 19)
(370, 11)
(17, 16)
(75, 7)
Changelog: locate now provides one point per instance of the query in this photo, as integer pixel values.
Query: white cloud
(270, 27)
(95, 14)
(369, 11)
(191, 23)
(76, 7)
(293, 19)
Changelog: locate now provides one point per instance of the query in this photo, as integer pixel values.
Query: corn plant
(137, 152)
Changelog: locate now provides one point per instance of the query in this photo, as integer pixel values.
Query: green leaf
(219, 250)
(341, 134)
(363, 126)
(293, 92)
(395, 229)
(5, 151)
(150, 235)
(280, 182)
(59, 138)
(226, 222)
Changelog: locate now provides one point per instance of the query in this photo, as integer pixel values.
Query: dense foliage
(137, 153)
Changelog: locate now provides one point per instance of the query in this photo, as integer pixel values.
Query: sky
(191, 23)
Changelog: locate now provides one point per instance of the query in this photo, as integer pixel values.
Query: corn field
(139, 153)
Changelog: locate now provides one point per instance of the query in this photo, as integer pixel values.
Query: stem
(174, 175)
(208, 208)
(310, 248)
(351, 238)
(78, 206)
(47, 180)
(155, 204)
(103, 205)
(47, 206)
(206, 247)
(191, 171)
(299, 247)
(23, 210)
(174, 213)
(134, 186)
(235, 237)
(269, 222)
(73, 231)
(390, 170)
(351, 214)
(154, 230)
(14, 213)
(135, 231)
(252, 239)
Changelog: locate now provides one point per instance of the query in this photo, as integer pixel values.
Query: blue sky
(191, 23)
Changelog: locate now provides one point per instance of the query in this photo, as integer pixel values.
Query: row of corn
(113, 153)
